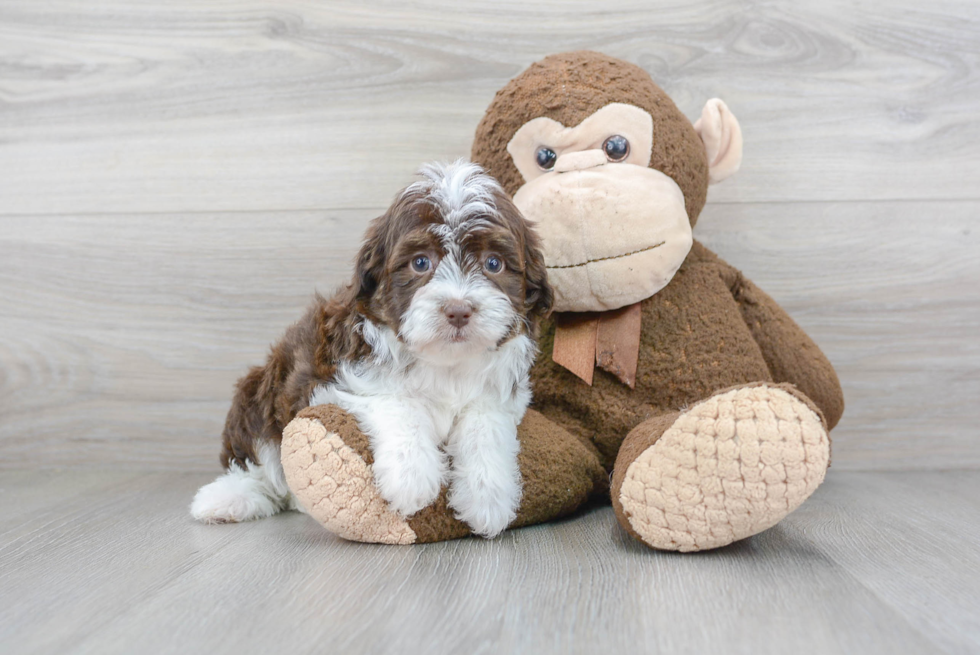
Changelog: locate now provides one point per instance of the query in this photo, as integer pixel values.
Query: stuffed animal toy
(667, 381)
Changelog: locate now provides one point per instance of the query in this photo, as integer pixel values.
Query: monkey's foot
(329, 472)
(728, 468)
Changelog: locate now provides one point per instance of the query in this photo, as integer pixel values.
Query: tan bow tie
(609, 340)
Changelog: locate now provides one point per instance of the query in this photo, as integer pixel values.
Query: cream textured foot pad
(728, 468)
(335, 485)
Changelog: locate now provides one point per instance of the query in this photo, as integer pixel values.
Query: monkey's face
(614, 230)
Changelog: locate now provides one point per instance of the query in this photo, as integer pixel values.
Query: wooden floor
(110, 562)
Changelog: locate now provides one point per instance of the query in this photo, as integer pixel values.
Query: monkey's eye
(421, 263)
(493, 264)
(546, 158)
(617, 148)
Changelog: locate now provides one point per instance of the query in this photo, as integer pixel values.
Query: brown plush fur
(695, 341)
(270, 396)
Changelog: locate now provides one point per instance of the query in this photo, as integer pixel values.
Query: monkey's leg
(729, 467)
(327, 461)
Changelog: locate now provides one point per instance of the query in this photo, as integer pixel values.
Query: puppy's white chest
(432, 398)
(446, 401)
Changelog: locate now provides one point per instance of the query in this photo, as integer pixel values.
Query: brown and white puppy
(429, 348)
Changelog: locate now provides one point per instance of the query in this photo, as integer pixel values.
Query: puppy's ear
(370, 264)
(538, 296)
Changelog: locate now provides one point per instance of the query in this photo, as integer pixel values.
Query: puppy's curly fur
(429, 348)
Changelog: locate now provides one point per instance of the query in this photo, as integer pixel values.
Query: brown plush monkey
(663, 365)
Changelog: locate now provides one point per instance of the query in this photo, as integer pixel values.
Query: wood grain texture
(124, 335)
(176, 178)
(873, 563)
(121, 336)
(247, 105)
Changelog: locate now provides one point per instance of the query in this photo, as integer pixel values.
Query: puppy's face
(452, 267)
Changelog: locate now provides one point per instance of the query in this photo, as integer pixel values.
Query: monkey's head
(612, 173)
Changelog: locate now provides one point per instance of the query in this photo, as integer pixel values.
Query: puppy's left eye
(493, 264)
(421, 263)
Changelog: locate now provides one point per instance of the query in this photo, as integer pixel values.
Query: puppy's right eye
(546, 158)
(421, 263)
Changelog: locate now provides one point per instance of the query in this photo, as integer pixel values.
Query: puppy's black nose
(458, 313)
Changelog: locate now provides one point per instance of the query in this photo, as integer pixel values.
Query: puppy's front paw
(487, 509)
(409, 484)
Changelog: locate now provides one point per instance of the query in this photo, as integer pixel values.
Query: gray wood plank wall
(176, 178)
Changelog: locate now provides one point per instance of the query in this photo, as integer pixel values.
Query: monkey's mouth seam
(605, 259)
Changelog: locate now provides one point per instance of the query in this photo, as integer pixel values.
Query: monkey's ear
(722, 139)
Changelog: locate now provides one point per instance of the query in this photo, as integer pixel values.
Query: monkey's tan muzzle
(613, 234)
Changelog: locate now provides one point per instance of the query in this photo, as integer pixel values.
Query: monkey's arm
(790, 354)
